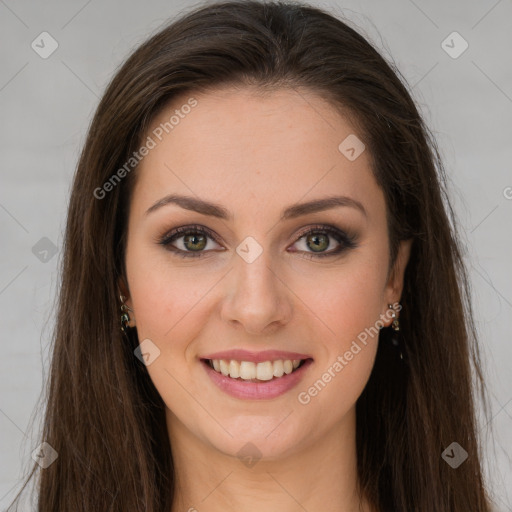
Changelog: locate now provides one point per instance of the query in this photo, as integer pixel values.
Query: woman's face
(246, 275)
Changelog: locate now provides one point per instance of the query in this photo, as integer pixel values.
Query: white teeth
(247, 370)
(265, 371)
(224, 367)
(234, 369)
(278, 368)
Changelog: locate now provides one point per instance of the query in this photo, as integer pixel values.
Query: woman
(261, 209)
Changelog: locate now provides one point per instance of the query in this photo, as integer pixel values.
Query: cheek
(166, 304)
(346, 301)
(163, 287)
(171, 312)
(348, 309)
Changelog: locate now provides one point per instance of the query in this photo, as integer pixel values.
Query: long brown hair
(105, 418)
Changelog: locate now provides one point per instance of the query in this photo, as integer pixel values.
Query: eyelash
(346, 241)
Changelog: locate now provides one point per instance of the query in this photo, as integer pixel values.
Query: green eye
(317, 240)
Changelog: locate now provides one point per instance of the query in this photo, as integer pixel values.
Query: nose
(258, 298)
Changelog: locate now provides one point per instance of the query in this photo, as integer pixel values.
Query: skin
(255, 155)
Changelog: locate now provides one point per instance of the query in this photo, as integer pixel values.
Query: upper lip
(256, 357)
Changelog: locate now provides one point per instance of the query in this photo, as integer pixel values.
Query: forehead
(250, 150)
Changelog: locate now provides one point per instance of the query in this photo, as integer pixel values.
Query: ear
(395, 284)
(122, 287)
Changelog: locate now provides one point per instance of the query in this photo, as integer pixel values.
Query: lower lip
(257, 390)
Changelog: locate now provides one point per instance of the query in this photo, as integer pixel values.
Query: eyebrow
(296, 210)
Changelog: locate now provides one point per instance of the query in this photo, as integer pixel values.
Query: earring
(395, 339)
(125, 317)
(396, 324)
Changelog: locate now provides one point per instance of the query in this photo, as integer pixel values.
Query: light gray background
(47, 104)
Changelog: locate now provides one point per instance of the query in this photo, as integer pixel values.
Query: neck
(319, 475)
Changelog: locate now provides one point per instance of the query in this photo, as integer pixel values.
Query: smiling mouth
(255, 372)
